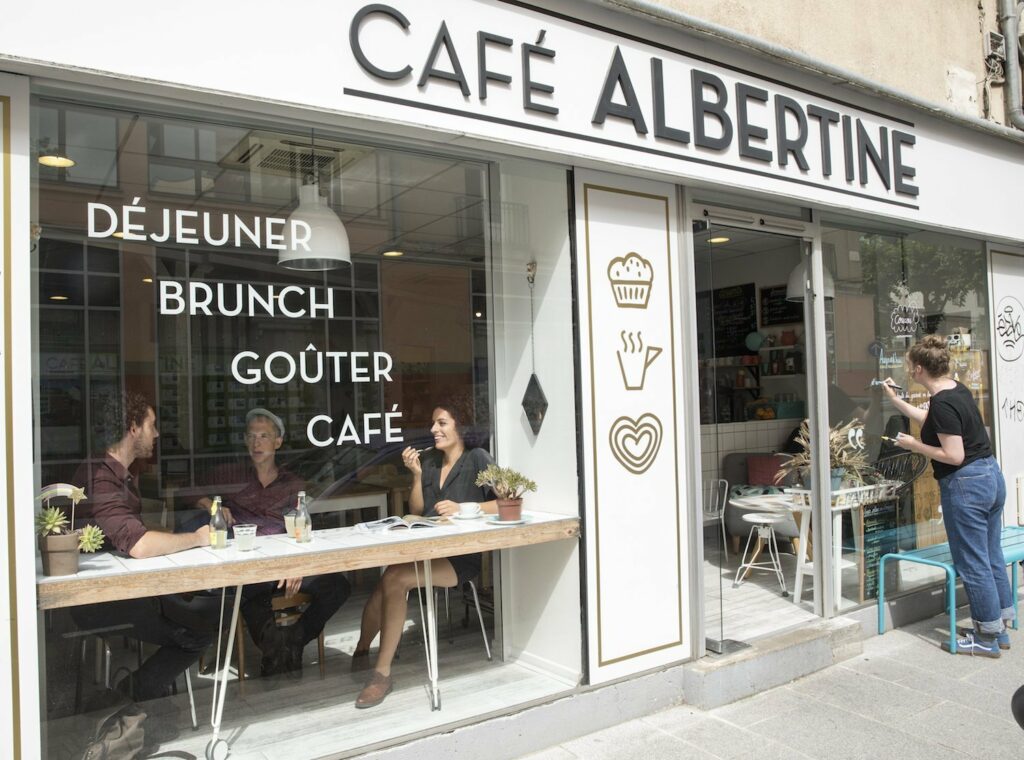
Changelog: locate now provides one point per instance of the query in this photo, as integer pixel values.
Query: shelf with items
(780, 347)
(771, 376)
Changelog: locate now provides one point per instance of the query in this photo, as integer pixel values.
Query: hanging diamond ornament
(535, 403)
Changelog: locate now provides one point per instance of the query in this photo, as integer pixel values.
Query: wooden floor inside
(284, 717)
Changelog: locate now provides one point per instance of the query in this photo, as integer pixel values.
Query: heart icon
(635, 443)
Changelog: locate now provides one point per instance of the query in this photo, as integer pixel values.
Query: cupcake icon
(631, 277)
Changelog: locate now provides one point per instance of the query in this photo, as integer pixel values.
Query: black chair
(904, 468)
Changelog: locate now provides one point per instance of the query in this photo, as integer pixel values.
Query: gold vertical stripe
(12, 584)
(593, 415)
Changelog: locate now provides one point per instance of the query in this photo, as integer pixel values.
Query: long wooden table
(105, 577)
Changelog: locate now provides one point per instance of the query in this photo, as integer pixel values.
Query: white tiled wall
(718, 440)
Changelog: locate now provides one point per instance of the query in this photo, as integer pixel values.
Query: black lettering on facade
(744, 129)
(483, 39)
(357, 47)
(430, 70)
(784, 144)
(848, 148)
(716, 108)
(900, 170)
(631, 111)
(530, 86)
(879, 156)
(661, 129)
(826, 118)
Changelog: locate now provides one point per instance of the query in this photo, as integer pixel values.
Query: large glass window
(166, 281)
(893, 287)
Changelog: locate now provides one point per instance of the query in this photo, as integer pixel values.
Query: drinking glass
(245, 537)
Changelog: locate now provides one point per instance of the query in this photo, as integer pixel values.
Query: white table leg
(430, 636)
(801, 561)
(837, 555)
(217, 748)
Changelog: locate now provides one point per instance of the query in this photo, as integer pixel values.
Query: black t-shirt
(460, 485)
(954, 412)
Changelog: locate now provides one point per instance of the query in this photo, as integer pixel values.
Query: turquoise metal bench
(939, 556)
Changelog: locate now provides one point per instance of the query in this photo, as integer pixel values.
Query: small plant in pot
(509, 486)
(59, 544)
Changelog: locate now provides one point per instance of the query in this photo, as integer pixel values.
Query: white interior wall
(764, 270)
(540, 584)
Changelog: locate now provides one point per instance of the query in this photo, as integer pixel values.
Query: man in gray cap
(265, 491)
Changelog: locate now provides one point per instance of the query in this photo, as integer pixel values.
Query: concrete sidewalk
(903, 698)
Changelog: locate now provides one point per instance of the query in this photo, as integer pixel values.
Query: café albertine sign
(533, 70)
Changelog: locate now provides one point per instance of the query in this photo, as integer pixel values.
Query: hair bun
(933, 341)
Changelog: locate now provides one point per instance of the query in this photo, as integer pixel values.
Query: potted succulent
(509, 486)
(59, 544)
(847, 462)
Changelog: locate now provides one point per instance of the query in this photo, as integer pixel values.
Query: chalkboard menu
(879, 525)
(776, 310)
(734, 311)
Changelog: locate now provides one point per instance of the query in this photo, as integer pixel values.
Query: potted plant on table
(59, 543)
(509, 486)
(847, 461)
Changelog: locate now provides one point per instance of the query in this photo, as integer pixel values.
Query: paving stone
(724, 739)
(633, 739)
(970, 731)
(551, 753)
(866, 695)
(827, 732)
(764, 706)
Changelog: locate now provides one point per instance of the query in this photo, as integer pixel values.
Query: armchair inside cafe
(883, 290)
(206, 418)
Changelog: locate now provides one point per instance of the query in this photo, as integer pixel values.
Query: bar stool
(761, 529)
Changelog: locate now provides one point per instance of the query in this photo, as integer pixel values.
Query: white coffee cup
(468, 508)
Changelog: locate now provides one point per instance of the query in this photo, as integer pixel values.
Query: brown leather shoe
(377, 687)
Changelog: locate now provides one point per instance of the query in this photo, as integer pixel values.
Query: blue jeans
(972, 509)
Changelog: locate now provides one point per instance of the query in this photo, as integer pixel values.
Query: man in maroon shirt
(259, 494)
(113, 502)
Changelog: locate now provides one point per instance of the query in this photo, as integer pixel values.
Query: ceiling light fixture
(147, 279)
(53, 157)
(795, 284)
(393, 254)
(328, 245)
(58, 298)
(719, 240)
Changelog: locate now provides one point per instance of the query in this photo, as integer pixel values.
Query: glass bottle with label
(218, 526)
(303, 522)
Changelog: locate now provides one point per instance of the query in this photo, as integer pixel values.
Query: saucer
(493, 520)
(477, 516)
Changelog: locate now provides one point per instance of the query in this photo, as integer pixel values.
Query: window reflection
(892, 288)
(103, 330)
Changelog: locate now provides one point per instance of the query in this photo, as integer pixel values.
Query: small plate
(477, 516)
(493, 520)
(754, 341)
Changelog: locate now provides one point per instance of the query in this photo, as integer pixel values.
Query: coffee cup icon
(634, 359)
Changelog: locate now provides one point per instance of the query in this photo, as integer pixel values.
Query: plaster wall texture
(933, 50)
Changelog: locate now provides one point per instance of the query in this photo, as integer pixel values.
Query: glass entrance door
(753, 396)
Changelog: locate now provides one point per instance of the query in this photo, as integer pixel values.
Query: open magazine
(395, 523)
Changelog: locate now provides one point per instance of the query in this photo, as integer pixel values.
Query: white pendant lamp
(328, 241)
(795, 284)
